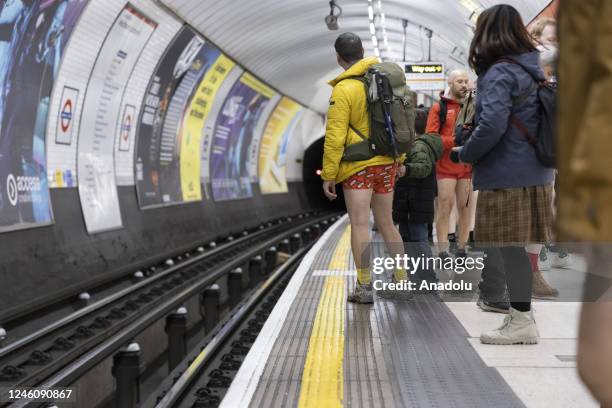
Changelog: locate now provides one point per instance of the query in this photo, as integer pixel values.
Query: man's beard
(460, 95)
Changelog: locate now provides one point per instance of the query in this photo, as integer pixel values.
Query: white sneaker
(518, 328)
(561, 260)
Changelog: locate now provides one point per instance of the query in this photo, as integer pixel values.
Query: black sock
(521, 306)
(471, 238)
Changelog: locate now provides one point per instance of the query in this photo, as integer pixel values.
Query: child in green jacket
(413, 201)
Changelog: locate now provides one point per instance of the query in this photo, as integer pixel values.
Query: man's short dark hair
(349, 47)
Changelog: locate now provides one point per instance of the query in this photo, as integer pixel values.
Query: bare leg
(464, 210)
(358, 207)
(473, 202)
(382, 207)
(446, 197)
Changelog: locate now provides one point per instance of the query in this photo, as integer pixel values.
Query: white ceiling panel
(288, 45)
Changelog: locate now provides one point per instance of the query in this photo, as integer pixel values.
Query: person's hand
(329, 189)
(401, 171)
(454, 154)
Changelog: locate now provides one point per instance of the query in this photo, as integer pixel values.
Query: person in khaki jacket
(584, 148)
(366, 182)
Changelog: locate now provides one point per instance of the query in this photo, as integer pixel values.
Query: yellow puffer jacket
(348, 105)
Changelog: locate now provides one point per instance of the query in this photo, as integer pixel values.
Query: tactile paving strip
(434, 365)
(396, 354)
(280, 382)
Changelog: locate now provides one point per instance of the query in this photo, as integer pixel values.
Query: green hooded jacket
(426, 151)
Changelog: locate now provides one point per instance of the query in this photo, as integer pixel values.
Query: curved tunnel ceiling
(288, 45)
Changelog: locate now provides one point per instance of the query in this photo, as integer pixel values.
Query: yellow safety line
(323, 377)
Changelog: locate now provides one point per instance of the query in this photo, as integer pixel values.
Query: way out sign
(424, 76)
(67, 113)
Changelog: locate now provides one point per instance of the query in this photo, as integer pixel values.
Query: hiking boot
(362, 294)
(517, 328)
(542, 289)
(443, 255)
(493, 306)
(460, 253)
(394, 294)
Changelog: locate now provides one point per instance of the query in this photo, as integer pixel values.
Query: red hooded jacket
(445, 165)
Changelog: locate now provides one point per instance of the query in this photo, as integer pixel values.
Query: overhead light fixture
(332, 19)
(473, 7)
(378, 24)
(474, 17)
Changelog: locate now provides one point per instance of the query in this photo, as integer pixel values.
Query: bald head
(458, 83)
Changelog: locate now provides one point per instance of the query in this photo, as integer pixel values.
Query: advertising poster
(253, 153)
(171, 135)
(163, 83)
(232, 137)
(193, 126)
(101, 110)
(33, 35)
(209, 127)
(273, 149)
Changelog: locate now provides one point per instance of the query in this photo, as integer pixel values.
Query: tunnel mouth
(312, 166)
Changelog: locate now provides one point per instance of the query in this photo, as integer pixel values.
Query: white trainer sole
(508, 342)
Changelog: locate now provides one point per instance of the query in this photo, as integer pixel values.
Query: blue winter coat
(499, 152)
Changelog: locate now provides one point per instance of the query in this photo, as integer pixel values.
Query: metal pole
(210, 299)
(126, 370)
(234, 286)
(270, 257)
(176, 327)
(256, 266)
(404, 24)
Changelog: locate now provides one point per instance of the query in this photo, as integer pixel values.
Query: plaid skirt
(515, 215)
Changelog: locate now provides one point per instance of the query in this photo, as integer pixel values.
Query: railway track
(203, 377)
(57, 354)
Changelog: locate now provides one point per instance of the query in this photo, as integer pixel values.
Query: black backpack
(544, 140)
(442, 114)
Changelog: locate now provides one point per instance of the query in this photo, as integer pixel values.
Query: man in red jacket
(454, 179)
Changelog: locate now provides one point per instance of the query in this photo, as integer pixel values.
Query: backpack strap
(442, 114)
(354, 129)
(363, 80)
(360, 78)
(523, 129)
(521, 99)
(467, 104)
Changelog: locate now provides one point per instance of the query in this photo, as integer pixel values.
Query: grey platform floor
(396, 354)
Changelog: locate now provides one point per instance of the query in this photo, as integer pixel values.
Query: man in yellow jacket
(365, 183)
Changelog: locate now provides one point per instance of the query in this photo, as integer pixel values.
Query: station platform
(318, 350)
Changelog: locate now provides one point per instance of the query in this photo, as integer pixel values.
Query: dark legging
(511, 261)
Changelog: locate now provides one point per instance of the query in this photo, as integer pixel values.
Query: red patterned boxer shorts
(381, 179)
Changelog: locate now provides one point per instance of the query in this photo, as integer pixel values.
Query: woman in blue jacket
(515, 200)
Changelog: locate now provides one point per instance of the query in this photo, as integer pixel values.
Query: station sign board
(424, 76)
